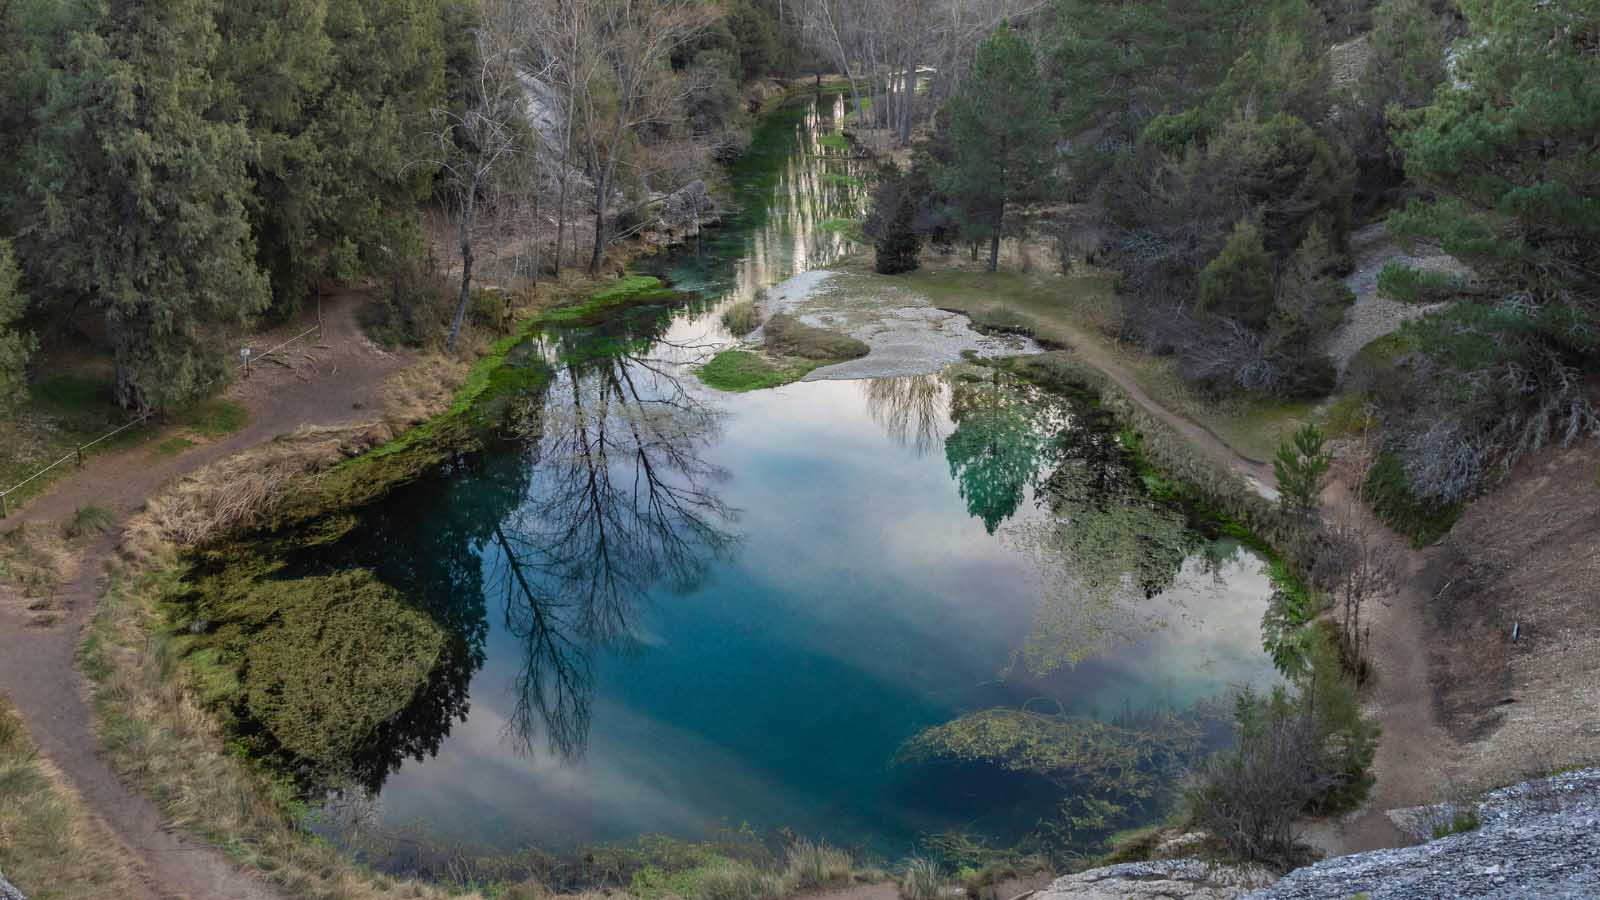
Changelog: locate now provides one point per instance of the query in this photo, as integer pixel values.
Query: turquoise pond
(678, 611)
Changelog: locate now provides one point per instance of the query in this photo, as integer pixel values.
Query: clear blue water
(678, 610)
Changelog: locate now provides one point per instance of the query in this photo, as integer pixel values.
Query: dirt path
(1416, 755)
(328, 382)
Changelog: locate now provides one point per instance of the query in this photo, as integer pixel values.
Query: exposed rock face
(1540, 839)
(7, 892)
(1167, 879)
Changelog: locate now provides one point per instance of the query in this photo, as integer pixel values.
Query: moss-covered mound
(742, 370)
(786, 335)
(632, 290)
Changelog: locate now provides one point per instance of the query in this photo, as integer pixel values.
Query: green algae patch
(739, 371)
(632, 290)
(308, 668)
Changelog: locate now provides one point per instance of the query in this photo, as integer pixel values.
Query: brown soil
(329, 381)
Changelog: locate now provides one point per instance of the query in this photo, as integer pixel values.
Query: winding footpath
(330, 382)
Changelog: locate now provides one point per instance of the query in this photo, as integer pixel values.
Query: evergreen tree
(15, 345)
(1237, 285)
(141, 198)
(1508, 153)
(1300, 465)
(892, 224)
(1002, 139)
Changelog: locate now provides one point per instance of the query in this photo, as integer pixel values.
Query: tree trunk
(599, 224)
(994, 239)
(467, 211)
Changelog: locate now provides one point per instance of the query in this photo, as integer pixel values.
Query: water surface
(675, 611)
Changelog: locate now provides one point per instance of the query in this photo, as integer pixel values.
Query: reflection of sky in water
(863, 604)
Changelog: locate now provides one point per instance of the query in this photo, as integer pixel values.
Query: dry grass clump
(921, 880)
(738, 880)
(810, 866)
(49, 846)
(242, 490)
(158, 736)
(419, 391)
(33, 560)
(741, 318)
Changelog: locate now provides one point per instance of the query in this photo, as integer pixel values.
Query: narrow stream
(859, 610)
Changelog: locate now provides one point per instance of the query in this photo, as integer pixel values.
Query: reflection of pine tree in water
(1104, 544)
(619, 501)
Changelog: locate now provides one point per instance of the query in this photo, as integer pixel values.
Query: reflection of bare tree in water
(620, 501)
(914, 409)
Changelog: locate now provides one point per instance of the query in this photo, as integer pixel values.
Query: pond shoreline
(328, 451)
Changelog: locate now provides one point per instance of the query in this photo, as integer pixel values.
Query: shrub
(812, 866)
(1237, 284)
(89, 519)
(1401, 282)
(921, 880)
(741, 318)
(1302, 750)
(1389, 491)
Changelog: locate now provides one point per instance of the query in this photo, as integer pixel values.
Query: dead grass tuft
(50, 848)
(242, 490)
(34, 561)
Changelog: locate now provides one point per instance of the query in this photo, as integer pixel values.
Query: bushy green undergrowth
(1409, 285)
(1389, 491)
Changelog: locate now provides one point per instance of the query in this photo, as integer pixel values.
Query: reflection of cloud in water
(655, 777)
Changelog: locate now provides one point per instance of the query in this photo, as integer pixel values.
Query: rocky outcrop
(1538, 839)
(1167, 879)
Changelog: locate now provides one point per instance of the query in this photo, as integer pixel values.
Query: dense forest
(179, 169)
(1216, 156)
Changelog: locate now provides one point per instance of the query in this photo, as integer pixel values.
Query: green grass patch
(739, 371)
(1389, 491)
(71, 394)
(173, 446)
(631, 290)
(213, 418)
(838, 179)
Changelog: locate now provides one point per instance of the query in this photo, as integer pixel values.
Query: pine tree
(1002, 138)
(142, 198)
(1300, 466)
(15, 345)
(1507, 152)
(892, 224)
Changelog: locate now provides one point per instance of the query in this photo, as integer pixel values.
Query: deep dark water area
(624, 604)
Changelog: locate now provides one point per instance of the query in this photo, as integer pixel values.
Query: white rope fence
(77, 454)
